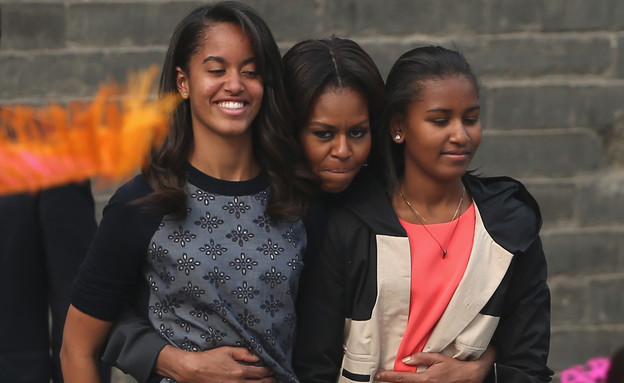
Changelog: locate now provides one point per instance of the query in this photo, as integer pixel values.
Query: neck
(226, 158)
(436, 202)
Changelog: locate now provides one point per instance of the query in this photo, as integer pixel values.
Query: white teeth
(231, 104)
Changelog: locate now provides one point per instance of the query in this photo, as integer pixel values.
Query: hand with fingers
(442, 369)
(219, 365)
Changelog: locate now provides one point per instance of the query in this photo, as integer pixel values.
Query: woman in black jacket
(432, 259)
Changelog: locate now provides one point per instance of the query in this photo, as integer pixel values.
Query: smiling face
(223, 88)
(441, 131)
(336, 139)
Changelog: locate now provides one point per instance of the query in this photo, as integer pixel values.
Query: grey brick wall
(553, 102)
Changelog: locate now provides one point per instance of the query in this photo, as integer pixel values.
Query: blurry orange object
(109, 137)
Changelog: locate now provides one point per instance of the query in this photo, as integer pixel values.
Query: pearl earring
(397, 137)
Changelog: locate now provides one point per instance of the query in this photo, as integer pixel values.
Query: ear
(396, 129)
(182, 83)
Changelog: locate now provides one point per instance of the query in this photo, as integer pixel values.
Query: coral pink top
(434, 279)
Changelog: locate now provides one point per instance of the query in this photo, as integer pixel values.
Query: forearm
(79, 368)
(82, 340)
(169, 362)
(481, 367)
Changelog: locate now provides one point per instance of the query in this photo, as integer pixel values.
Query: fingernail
(377, 377)
(407, 359)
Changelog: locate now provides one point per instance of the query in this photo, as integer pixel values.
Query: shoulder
(509, 212)
(366, 203)
(125, 213)
(132, 190)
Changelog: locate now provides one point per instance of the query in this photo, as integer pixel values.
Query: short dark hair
(404, 86)
(311, 67)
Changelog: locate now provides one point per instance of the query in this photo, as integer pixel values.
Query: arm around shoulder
(321, 313)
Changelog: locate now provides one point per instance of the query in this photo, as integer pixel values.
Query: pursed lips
(339, 171)
(457, 153)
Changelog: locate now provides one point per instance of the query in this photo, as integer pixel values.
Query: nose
(341, 148)
(234, 83)
(459, 133)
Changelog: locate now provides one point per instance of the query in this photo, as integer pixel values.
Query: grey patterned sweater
(227, 275)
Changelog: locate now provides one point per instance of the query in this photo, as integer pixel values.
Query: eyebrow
(443, 110)
(222, 60)
(329, 126)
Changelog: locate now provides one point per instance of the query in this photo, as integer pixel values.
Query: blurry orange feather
(108, 138)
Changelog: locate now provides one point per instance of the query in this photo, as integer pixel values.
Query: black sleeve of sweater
(113, 266)
(522, 337)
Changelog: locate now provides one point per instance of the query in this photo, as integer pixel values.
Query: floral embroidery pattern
(271, 249)
(216, 277)
(165, 332)
(272, 305)
(273, 277)
(157, 252)
(182, 236)
(262, 197)
(294, 263)
(290, 237)
(187, 264)
(209, 222)
(263, 222)
(243, 263)
(184, 324)
(213, 249)
(166, 276)
(202, 196)
(213, 336)
(202, 311)
(245, 292)
(193, 291)
(236, 207)
(240, 235)
(248, 319)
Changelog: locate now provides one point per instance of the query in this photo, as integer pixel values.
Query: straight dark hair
(404, 86)
(273, 143)
(311, 67)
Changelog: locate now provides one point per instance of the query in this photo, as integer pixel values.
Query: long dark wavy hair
(273, 143)
(311, 67)
(404, 86)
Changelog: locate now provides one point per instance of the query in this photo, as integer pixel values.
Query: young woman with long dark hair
(211, 229)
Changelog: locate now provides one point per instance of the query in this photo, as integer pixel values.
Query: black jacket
(354, 303)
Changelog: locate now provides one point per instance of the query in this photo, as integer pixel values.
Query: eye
(358, 133)
(324, 134)
(471, 120)
(250, 73)
(216, 72)
(440, 122)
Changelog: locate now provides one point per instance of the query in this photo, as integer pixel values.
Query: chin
(334, 188)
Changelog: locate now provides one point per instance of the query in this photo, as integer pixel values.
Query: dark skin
(442, 369)
(196, 367)
(216, 365)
